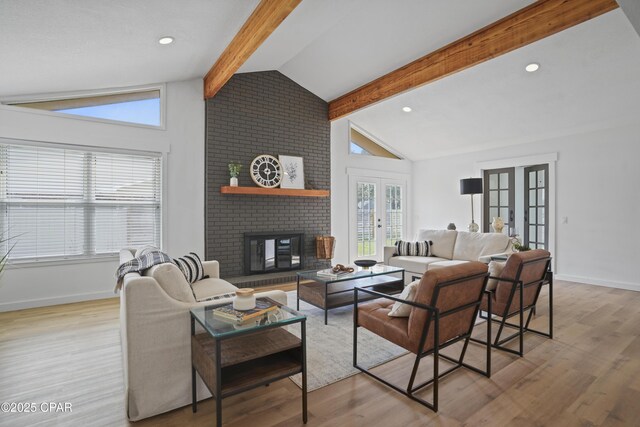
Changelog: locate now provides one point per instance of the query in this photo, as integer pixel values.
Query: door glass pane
(504, 180)
(493, 181)
(394, 216)
(504, 197)
(504, 214)
(537, 200)
(541, 218)
(493, 212)
(498, 199)
(493, 198)
(366, 218)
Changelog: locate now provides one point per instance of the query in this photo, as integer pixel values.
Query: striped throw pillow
(191, 266)
(420, 248)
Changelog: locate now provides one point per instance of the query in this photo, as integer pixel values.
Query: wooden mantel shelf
(259, 191)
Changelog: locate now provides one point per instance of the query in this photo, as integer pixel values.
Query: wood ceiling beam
(532, 23)
(263, 21)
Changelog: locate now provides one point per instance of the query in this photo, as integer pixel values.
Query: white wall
(632, 9)
(341, 161)
(182, 141)
(597, 180)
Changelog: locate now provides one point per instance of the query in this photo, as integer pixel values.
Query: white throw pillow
(172, 281)
(443, 242)
(471, 246)
(495, 270)
(145, 250)
(408, 294)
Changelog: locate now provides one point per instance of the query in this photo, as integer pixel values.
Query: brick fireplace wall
(264, 113)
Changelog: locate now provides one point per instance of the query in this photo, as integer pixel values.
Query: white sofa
(156, 334)
(449, 247)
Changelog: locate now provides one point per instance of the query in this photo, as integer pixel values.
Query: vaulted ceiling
(56, 45)
(331, 46)
(588, 80)
(587, 77)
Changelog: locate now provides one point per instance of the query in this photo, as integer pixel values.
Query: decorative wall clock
(266, 171)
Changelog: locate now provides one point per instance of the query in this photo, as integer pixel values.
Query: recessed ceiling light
(532, 67)
(166, 40)
(406, 109)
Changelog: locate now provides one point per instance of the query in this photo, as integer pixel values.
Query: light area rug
(330, 347)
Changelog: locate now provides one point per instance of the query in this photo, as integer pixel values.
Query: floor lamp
(471, 186)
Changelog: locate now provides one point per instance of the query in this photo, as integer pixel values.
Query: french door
(377, 215)
(499, 198)
(500, 193)
(536, 212)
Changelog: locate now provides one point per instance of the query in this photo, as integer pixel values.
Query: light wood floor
(589, 374)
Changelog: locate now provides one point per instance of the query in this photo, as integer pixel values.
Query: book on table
(330, 274)
(227, 312)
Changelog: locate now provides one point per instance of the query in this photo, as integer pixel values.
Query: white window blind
(60, 203)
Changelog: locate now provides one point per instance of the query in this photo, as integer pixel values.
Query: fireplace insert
(271, 252)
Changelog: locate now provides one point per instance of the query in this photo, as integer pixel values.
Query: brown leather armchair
(443, 313)
(517, 291)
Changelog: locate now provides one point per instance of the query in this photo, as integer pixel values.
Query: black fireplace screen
(271, 252)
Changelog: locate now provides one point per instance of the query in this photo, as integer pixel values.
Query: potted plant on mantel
(234, 171)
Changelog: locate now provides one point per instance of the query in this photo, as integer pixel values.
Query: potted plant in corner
(234, 171)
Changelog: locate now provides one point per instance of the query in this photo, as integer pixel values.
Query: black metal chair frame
(522, 326)
(435, 315)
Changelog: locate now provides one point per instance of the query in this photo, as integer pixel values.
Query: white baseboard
(599, 282)
(44, 302)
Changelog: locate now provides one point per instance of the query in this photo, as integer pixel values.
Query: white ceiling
(69, 45)
(331, 47)
(589, 79)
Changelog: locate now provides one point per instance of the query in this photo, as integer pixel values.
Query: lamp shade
(471, 186)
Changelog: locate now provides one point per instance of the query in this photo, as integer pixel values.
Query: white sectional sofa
(449, 247)
(156, 335)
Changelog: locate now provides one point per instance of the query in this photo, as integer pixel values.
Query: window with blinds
(58, 203)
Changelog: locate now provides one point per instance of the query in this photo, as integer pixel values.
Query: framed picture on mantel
(292, 172)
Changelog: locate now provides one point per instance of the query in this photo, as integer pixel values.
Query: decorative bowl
(366, 263)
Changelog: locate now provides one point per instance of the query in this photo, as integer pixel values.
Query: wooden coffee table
(232, 359)
(327, 292)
